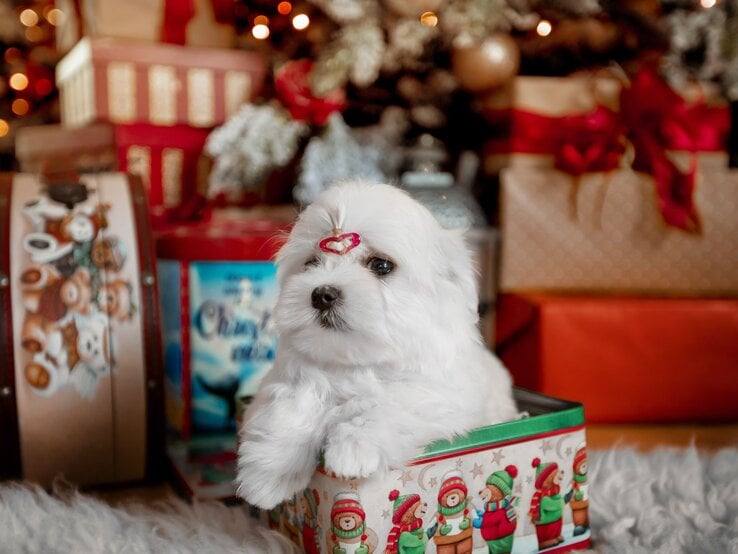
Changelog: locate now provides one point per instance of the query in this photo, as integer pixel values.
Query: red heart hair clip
(340, 243)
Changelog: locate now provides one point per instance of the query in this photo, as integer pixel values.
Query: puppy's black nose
(325, 297)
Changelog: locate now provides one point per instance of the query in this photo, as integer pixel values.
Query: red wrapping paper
(627, 359)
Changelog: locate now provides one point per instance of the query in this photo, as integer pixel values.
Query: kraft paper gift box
(603, 232)
(481, 493)
(627, 359)
(169, 160)
(121, 81)
(218, 287)
(576, 217)
(81, 389)
(205, 23)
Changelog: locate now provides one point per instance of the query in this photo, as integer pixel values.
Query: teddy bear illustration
(547, 504)
(109, 253)
(40, 287)
(95, 356)
(579, 502)
(454, 532)
(498, 519)
(407, 536)
(114, 299)
(43, 376)
(349, 533)
(309, 501)
(76, 292)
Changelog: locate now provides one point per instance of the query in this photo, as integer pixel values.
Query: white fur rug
(667, 501)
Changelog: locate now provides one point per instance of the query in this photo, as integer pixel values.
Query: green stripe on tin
(546, 414)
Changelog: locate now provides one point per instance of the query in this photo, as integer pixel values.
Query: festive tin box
(218, 287)
(121, 81)
(80, 366)
(519, 486)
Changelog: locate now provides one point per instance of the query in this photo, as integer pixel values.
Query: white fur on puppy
(385, 363)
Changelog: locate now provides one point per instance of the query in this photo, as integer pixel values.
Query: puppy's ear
(459, 269)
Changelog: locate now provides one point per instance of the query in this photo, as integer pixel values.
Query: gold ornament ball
(413, 8)
(488, 65)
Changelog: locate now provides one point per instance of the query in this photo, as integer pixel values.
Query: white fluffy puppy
(379, 351)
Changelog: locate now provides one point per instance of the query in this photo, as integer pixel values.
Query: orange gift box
(625, 359)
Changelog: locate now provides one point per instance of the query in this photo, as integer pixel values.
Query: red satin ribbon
(177, 14)
(652, 116)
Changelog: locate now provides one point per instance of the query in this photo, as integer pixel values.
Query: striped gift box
(104, 79)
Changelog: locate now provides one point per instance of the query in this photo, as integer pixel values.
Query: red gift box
(169, 160)
(121, 81)
(626, 359)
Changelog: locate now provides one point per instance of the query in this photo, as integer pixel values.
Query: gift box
(581, 211)
(81, 368)
(89, 148)
(169, 160)
(627, 359)
(218, 288)
(602, 232)
(519, 486)
(195, 23)
(204, 467)
(120, 81)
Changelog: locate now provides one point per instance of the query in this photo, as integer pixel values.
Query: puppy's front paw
(265, 482)
(349, 453)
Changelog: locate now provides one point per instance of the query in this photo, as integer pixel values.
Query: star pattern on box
(529, 479)
(433, 481)
(518, 489)
(459, 463)
(546, 445)
(477, 471)
(568, 451)
(497, 457)
(406, 477)
(385, 514)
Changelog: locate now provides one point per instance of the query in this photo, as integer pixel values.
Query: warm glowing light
(4, 128)
(284, 8)
(300, 22)
(429, 19)
(708, 3)
(11, 55)
(20, 106)
(544, 28)
(43, 87)
(260, 32)
(29, 18)
(18, 81)
(55, 16)
(261, 20)
(34, 34)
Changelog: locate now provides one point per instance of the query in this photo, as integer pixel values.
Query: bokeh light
(4, 128)
(260, 32)
(18, 81)
(20, 106)
(284, 8)
(28, 17)
(55, 16)
(300, 22)
(34, 34)
(261, 20)
(544, 28)
(429, 19)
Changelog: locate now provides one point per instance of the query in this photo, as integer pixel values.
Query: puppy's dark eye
(380, 266)
(312, 262)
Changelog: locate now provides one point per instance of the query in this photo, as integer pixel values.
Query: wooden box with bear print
(80, 371)
(519, 486)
